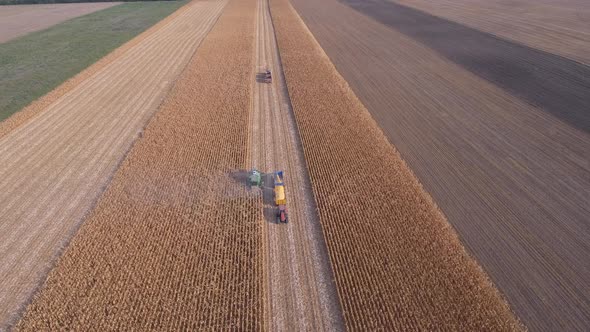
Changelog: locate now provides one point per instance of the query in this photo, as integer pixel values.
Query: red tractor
(282, 216)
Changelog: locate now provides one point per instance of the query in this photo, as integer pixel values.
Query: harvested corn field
(397, 262)
(175, 243)
(54, 167)
(35, 64)
(41, 104)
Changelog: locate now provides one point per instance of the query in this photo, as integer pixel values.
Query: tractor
(282, 216)
(264, 77)
(267, 77)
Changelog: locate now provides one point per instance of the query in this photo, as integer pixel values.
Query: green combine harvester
(255, 178)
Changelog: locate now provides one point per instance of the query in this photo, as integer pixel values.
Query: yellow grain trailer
(280, 198)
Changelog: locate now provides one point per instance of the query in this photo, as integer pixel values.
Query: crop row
(398, 264)
(175, 243)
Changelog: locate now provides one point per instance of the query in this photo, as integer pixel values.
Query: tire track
(300, 293)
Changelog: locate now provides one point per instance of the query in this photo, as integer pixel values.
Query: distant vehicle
(282, 216)
(280, 198)
(267, 77)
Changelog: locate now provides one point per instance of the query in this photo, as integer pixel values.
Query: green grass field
(33, 65)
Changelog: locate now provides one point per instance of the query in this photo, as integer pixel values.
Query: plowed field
(54, 167)
(397, 262)
(556, 26)
(175, 243)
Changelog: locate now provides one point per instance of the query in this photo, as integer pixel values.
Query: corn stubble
(175, 242)
(33, 109)
(398, 264)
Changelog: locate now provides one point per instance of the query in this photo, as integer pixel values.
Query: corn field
(175, 241)
(398, 263)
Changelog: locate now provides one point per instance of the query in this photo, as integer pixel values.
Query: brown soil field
(555, 26)
(398, 264)
(18, 20)
(54, 167)
(554, 84)
(175, 243)
(512, 179)
(300, 292)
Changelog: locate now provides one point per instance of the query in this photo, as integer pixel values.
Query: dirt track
(300, 292)
(53, 168)
(511, 178)
(19, 20)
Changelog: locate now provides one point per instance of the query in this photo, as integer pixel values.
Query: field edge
(28, 112)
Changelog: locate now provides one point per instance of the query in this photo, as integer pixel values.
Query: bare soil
(552, 83)
(19, 20)
(398, 264)
(175, 243)
(555, 26)
(54, 167)
(513, 179)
